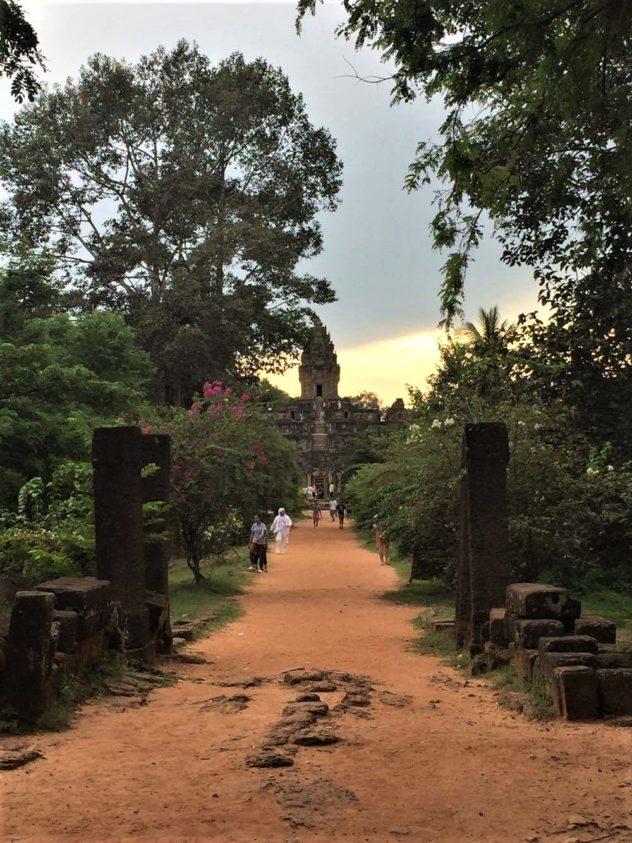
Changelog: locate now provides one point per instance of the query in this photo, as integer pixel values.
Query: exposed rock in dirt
(325, 687)
(396, 700)
(305, 803)
(248, 682)
(269, 758)
(227, 705)
(354, 698)
(316, 736)
(318, 709)
(17, 756)
(301, 676)
(188, 658)
(308, 698)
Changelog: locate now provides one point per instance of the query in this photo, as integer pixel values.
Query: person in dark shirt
(341, 509)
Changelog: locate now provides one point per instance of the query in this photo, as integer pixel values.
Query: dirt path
(448, 765)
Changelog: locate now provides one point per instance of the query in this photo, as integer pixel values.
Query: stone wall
(65, 625)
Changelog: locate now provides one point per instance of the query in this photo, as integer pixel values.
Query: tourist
(333, 506)
(383, 545)
(332, 489)
(310, 492)
(316, 513)
(258, 546)
(341, 509)
(281, 528)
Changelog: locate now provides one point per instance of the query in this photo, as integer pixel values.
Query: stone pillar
(157, 452)
(30, 654)
(484, 565)
(118, 521)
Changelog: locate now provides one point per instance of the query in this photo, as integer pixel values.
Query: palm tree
(490, 336)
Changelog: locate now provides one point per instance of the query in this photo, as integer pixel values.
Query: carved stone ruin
(117, 458)
(483, 573)
(157, 453)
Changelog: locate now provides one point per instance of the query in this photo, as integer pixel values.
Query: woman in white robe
(281, 528)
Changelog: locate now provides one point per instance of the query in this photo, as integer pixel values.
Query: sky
(377, 248)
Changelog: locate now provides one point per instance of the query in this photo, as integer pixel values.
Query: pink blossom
(147, 429)
(263, 459)
(245, 397)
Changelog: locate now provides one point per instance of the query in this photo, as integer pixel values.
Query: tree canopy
(19, 51)
(538, 95)
(183, 194)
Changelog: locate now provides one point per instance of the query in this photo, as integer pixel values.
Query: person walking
(341, 509)
(258, 546)
(333, 506)
(316, 514)
(332, 489)
(281, 528)
(383, 545)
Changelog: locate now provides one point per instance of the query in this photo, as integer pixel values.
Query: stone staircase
(319, 437)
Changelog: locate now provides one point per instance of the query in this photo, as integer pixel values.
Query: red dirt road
(449, 766)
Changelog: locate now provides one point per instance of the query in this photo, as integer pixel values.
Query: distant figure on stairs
(281, 528)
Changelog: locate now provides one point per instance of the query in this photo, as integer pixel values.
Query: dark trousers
(259, 555)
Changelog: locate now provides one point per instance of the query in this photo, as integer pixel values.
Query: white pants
(282, 540)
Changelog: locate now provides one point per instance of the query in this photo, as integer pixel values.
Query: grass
(215, 595)
(614, 605)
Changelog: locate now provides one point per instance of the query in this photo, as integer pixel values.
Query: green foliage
(52, 533)
(60, 376)
(212, 179)
(536, 134)
(570, 501)
(229, 461)
(19, 51)
(213, 596)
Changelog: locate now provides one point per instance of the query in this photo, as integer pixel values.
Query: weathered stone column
(157, 452)
(28, 678)
(463, 614)
(118, 519)
(484, 546)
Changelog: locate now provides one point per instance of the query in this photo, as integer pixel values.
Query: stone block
(536, 600)
(30, 654)
(613, 660)
(89, 650)
(575, 690)
(569, 644)
(524, 661)
(615, 691)
(547, 662)
(78, 594)
(527, 632)
(497, 632)
(602, 629)
(67, 623)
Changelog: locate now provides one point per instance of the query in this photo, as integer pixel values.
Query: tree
(537, 134)
(368, 400)
(490, 336)
(19, 51)
(184, 195)
(59, 376)
(229, 461)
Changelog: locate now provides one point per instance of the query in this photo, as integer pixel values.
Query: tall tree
(19, 51)
(183, 194)
(537, 133)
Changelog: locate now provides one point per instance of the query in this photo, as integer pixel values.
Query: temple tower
(319, 372)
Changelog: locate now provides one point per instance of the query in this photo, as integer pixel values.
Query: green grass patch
(615, 605)
(215, 595)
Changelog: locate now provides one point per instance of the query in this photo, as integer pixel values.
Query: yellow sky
(383, 366)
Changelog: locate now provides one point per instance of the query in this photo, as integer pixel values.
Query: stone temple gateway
(321, 421)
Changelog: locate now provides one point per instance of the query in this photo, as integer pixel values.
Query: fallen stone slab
(608, 661)
(575, 693)
(497, 630)
(537, 600)
(79, 594)
(615, 691)
(524, 663)
(269, 758)
(569, 644)
(527, 632)
(546, 663)
(602, 629)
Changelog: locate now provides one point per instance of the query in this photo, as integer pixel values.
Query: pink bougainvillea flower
(147, 429)
(245, 398)
(263, 459)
